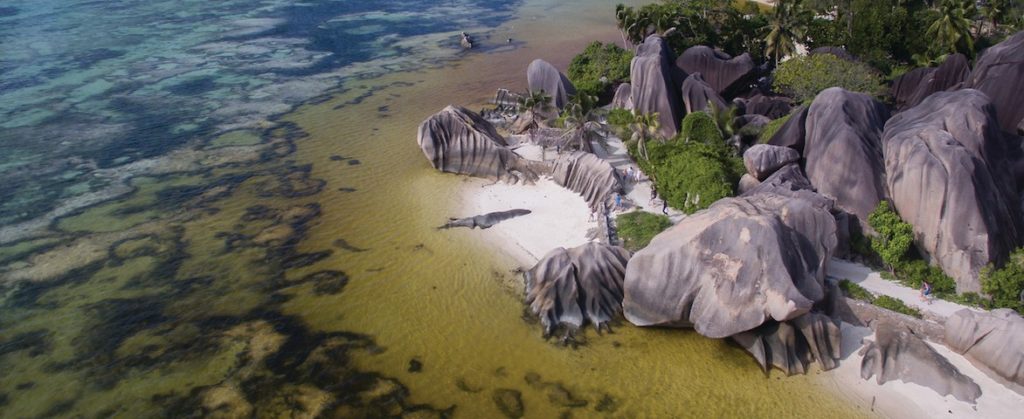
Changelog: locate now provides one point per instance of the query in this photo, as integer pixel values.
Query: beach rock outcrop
(913, 87)
(762, 160)
(623, 97)
(843, 150)
(771, 269)
(654, 85)
(570, 286)
(898, 354)
(456, 140)
(698, 94)
(999, 73)
(484, 221)
(774, 107)
(791, 345)
(541, 75)
(588, 175)
(793, 132)
(725, 74)
(949, 177)
(995, 339)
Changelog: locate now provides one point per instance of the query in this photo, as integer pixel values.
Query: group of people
(630, 175)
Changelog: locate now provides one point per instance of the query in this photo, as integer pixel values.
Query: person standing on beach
(618, 201)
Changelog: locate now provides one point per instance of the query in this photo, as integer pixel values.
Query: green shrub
(894, 235)
(855, 291)
(771, 128)
(691, 176)
(805, 77)
(637, 228)
(699, 126)
(597, 61)
(1005, 285)
(889, 303)
(913, 273)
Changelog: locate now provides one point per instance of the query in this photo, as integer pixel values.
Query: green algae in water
(235, 138)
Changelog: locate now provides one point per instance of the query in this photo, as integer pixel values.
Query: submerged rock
(509, 402)
(899, 354)
(999, 73)
(456, 140)
(995, 339)
(541, 75)
(588, 175)
(726, 75)
(654, 85)
(843, 150)
(568, 286)
(698, 95)
(771, 267)
(791, 345)
(949, 177)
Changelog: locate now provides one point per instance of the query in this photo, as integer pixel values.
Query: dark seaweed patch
(353, 162)
(347, 190)
(303, 259)
(194, 86)
(344, 245)
(90, 57)
(36, 342)
(59, 408)
(6, 11)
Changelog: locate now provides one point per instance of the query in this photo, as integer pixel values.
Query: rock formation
(791, 345)
(792, 133)
(999, 73)
(588, 175)
(771, 267)
(654, 88)
(541, 75)
(949, 177)
(456, 140)
(774, 107)
(484, 221)
(568, 286)
(836, 51)
(623, 97)
(916, 85)
(899, 354)
(725, 74)
(762, 160)
(995, 339)
(698, 94)
(843, 150)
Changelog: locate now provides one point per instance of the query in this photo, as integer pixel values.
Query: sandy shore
(560, 218)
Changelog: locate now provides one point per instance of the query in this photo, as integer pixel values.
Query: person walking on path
(926, 292)
(618, 201)
(664, 206)
(654, 194)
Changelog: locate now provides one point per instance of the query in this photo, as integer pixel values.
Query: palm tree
(995, 11)
(644, 127)
(580, 118)
(624, 17)
(788, 26)
(534, 105)
(952, 30)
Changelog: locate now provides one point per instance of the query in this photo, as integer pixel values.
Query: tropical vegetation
(637, 228)
(599, 67)
(804, 77)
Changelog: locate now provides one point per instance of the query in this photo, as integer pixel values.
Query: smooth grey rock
(484, 221)
(698, 94)
(456, 140)
(774, 107)
(999, 73)
(792, 133)
(790, 346)
(568, 286)
(734, 266)
(726, 75)
(899, 354)
(913, 87)
(949, 177)
(623, 97)
(995, 339)
(762, 160)
(747, 182)
(843, 150)
(541, 75)
(588, 175)
(654, 87)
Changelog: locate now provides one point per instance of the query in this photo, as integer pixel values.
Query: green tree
(644, 127)
(995, 11)
(805, 77)
(580, 119)
(1005, 286)
(533, 106)
(787, 26)
(951, 32)
(894, 235)
(599, 67)
(637, 228)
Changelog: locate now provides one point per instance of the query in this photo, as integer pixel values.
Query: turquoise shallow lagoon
(218, 209)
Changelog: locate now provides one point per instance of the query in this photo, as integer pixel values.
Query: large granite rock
(898, 354)
(762, 160)
(728, 76)
(734, 266)
(843, 150)
(839, 52)
(654, 85)
(623, 97)
(541, 75)
(995, 339)
(999, 73)
(792, 133)
(588, 175)
(791, 345)
(568, 286)
(774, 107)
(698, 94)
(456, 140)
(913, 87)
(949, 177)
